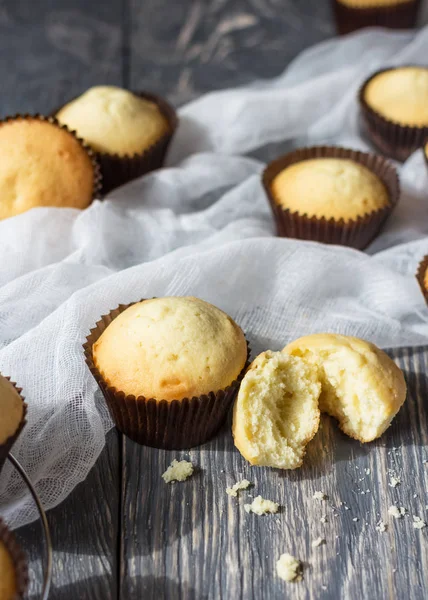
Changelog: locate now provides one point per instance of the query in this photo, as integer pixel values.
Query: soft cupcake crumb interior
(276, 412)
(361, 386)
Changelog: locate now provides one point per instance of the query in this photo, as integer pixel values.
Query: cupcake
(13, 411)
(130, 132)
(394, 109)
(169, 369)
(356, 14)
(43, 164)
(331, 195)
(422, 277)
(13, 567)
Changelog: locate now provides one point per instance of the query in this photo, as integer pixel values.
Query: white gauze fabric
(202, 226)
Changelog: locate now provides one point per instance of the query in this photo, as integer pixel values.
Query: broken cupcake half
(277, 410)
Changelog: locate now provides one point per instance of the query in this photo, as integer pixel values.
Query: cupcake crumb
(240, 485)
(289, 568)
(178, 471)
(260, 506)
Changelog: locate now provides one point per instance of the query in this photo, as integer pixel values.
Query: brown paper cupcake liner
(18, 559)
(117, 170)
(355, 233)
(420, 276)
(398, 15)
(175, 425)
(391, 138)
(97, 185)
(7, 445)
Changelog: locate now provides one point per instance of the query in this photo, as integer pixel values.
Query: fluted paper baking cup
(420, 276)
(19, 560)
(396, 15)
(171, 425)
(117, 170)
(7, 445)
(356, 233)
(393, 139)
(97, 178)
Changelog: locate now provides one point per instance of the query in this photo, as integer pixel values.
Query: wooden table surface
(123, 533)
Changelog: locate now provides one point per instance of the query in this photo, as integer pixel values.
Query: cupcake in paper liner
(49, 165)
(356, 14)
(130, 132)
(13, 411)
(13, 567)
(422, 277)
(169, 369)
(331, 195)
(394, 110)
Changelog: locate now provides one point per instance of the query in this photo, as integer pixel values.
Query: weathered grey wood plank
(190, 540)
(85, 535)
(183, 49)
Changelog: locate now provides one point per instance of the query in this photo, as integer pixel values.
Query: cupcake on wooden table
(169, 369)
(43, 164)
(12, 410)
(13, 567)
(130, 132)
(356, 14)
(394, 107)
(331, 195)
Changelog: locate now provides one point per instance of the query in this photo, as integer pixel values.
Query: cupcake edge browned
(6, 447)
(393, 139)
(171, 425)
(394, 16)
(117, 170)
(354, 233)
(97, 177)
(420, 276)
(18, 558)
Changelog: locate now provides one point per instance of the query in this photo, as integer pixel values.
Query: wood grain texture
(190, 540)
(85, 535)
(183, 49)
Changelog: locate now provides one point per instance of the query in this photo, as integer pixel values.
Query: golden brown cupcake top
(42, 164)
(11, 410)
(8, 585)
(330, 188)
(400, 95)
(115, 121)
(171, 348)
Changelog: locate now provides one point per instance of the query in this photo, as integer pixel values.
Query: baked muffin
(422, 277)
(276, 411)
(330, 188)
(13, 410)
(360, 385)
(162, 358)
(394, 104)
(130, 132)
(331, 194)
(43, 164)
(356, 14)
(13, 567)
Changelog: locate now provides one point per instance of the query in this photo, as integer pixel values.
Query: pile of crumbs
(240, 485)
(289, 568)
(178, 471)
(260, 506)
(396, 511)
(381, 527)
(319, 496)
(418, 523)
